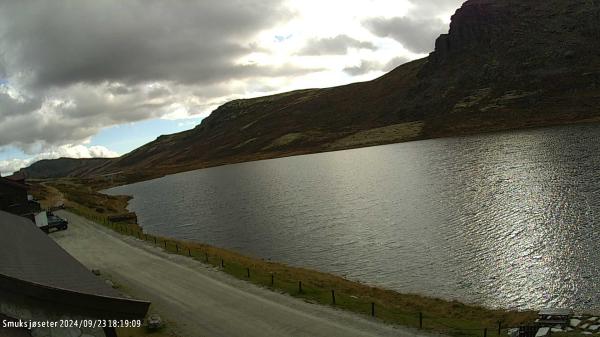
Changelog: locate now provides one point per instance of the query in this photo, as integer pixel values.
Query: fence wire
(269, 279)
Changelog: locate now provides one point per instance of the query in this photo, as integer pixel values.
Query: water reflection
(503, 220)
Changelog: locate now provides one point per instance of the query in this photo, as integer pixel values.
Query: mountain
(62, 167)
(504, 64)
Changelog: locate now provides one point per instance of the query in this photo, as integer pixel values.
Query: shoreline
(138, 231)
(199, 299)
(445, 316)
(128, 177)
(437, 315)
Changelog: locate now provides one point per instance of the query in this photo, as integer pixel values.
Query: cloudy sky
(100, 78)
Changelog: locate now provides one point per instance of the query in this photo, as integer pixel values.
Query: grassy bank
(449, 317)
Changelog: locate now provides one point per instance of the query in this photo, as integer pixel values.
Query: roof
(555, 312)
(32, 262)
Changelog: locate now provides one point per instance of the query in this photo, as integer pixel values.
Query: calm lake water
(503, 220)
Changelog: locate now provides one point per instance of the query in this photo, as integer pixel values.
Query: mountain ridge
(503, 65)
(62, 167)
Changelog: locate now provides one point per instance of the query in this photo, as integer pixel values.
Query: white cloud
(7, 167)
(78, 151)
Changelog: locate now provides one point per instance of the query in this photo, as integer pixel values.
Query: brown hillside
(504, 64)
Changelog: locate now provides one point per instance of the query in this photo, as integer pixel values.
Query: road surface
(200, 300)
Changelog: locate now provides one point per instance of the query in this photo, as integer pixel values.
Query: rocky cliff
(515, 63)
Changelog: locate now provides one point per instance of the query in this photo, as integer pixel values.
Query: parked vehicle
(47, 221)
(154, 322)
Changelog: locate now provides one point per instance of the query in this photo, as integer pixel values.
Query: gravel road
(200, 300)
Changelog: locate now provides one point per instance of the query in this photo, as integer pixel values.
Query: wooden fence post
(222, 263)
(420, 320)
(272, 279)
(485, 332)
(300, 287)
(499, 328)
(189, 252)
(332, 296)
(373, 309)
(177, 247)
(206, 255)
(248, 272)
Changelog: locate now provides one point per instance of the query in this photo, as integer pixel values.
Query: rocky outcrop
(478, 24)
(509, 63)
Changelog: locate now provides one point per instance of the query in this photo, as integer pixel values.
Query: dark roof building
(14, 199)
(41, 281)
(13, 196)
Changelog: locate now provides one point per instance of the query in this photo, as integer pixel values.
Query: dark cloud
(15, 106)
(418, 30)
(74, 67)
(23, 131)
(363, 68)
(118, 89)
(53, 123)
(394, 63)
(367, 66)
(62, 42)
(416, 35)
(338, 45)
(433, 8)
(159, 91)
(81, 111)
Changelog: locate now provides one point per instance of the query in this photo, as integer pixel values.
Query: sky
(93, 78)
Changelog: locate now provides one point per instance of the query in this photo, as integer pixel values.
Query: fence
(318, 291)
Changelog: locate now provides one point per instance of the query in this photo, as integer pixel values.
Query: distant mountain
(62, 167)
(504, 64)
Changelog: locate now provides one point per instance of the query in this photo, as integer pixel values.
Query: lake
(504, 220)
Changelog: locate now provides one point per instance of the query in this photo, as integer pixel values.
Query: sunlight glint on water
(507, 220)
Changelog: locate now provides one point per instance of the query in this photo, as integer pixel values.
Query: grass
(388, 134)
(448, 317)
